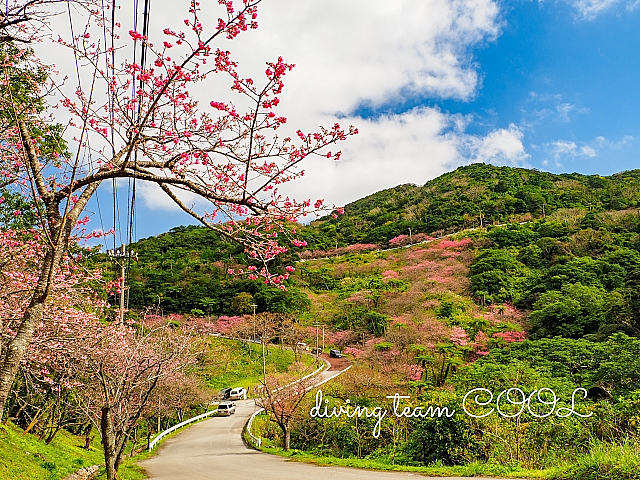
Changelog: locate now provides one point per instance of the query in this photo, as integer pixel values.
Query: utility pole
(317, 325)
(264, 360)
(323, 337)
(254, 306)
(121, 259)
(410, 241)
(122, 274)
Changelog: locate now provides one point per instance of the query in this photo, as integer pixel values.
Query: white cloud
(500, 147)
(561, 148)
(591, 9)
(565, 149)
(360, 52)
(546, 106)
(412, 147)
(564, 109)
(604, 143)
(588, 151)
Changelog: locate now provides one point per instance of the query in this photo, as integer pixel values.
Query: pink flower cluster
(459, 336)
(414, 372)
(226, 325)
(387, 274)
(455, 244)
(354, 352)
(403, 240)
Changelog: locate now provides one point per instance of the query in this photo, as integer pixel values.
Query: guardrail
(159, 437)
(256, 441)
(325, 364)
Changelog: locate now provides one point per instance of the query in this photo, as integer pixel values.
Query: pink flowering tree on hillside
(140, 121)
(49, 372)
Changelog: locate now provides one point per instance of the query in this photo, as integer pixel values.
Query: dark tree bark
(108, 442)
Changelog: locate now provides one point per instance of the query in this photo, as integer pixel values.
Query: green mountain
(460, 199)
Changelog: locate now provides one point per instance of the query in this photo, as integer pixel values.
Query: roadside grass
(25, 457)
(470, 470)
(604, 462)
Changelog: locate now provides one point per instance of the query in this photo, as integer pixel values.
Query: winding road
(213, 449)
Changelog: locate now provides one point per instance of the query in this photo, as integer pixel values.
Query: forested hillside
(187, 269)
(460, 199)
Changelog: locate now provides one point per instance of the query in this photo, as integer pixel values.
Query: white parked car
(238, 393)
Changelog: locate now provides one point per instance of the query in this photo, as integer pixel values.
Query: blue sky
(436, 84)
(561, 79)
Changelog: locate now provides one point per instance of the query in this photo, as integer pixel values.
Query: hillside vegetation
(547, 307)
(459, 199)
(186, 269)
(547, 303)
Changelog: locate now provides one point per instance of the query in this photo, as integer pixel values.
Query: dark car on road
(224, 393)
(335, 353)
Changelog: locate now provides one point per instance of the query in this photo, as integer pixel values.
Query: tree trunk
(108, 442)
(17, 349)
(87, 436)
(287, 438)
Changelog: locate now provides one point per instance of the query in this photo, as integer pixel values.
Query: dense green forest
(578, 278)
(185, 270)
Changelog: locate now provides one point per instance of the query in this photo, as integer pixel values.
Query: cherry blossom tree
(108, 373)
(138, 121)
(125, 369)
(281, 396)
(57, 352)
(24, 21)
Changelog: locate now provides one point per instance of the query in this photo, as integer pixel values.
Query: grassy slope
(24, 457)
(229, 364)
(604, 462)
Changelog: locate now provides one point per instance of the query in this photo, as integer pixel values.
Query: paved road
(213, 449)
